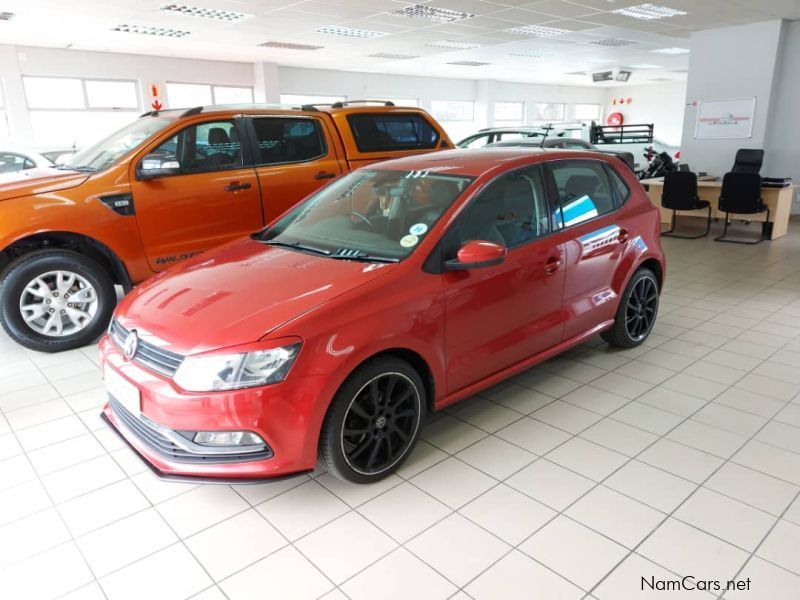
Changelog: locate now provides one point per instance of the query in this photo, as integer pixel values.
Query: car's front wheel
(373, 421)
(56, 300)
(637, 311)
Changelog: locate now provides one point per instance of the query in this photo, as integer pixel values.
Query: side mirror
(153, 166)
(476, 254)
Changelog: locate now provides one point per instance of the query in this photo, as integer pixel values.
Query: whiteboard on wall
(725, 119)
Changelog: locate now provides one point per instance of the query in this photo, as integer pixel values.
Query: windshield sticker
(418, 229)
(409, 241)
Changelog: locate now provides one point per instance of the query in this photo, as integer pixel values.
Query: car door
(595, 233)
(499, 315)
(292, 158)
(207, 196)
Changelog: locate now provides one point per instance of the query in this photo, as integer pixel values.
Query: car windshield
(370, 214)
(106, 152)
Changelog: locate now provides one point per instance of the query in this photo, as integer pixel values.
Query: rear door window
(382, 132)
(583, 190)
(281, 140)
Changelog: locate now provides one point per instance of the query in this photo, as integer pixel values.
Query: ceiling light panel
(150, 30)
(613, 42)
(453, 44)
(350, 32)
(6, 16)
(431, 13)
(532, 53)
(390, 56)
(538, 31)
(671, 51)
(469, 63)
(290, 46)
(648, 12)
(205, 13)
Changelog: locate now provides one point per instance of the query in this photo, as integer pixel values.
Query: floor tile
(622, 385)
(654, 487)
(65, 454)
(774, 388)
(520, 398)
(750, 402)
(423, 456)
(404, 511)
(647, 417)
(766, 580)
(458, 549)
(638, 578)
(547, 383)
(707, 438)
(574, 551)
(671, 401)
(496, 457)
(90, 511)
(616, 516)
(681, 460)
(780, 435)
(685, 550)
(357, 494)
(644, 371)
(46, 575)
(587, 459)
(729, 419)
(302, 509)
(494, 509)
(518, 577)
(82, 478)
(619, 436)
(595, 400)
(31, 535)
(169, 573)
(200, 508)
(566, 416)
(450, 434)
(770, 460)
(399, 576)
(782, 546)
(695, 386)
(286, 574)
(550, 484)
(453, 482)
(533, 435)
(487, 415)
(753, 488)
(23, 500)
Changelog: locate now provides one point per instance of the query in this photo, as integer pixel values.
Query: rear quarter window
(619, 188)
(382, 132)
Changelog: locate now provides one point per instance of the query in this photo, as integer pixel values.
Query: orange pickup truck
(169, 186)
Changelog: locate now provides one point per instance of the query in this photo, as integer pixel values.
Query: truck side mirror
(153, 166)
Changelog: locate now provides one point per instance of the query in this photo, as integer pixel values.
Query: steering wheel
(354, 213)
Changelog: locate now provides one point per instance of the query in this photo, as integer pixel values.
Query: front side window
(583, 191)
(286, 140)
(369, 214)
(210, 146)
(12, 163)
(512, 210)
(392, 131)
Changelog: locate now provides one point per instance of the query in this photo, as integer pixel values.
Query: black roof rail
(149, 113)
(198, 109)
(192, 111)
(344, 103)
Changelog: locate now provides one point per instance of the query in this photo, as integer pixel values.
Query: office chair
(680, 193)
(748, 160)
(741, 195)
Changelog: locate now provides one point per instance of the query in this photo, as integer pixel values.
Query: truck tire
(55, 300)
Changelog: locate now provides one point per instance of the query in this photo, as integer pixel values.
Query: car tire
(373, 421)
(42, 282)
(637, 311)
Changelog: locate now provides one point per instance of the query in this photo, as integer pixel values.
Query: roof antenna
(547, 129)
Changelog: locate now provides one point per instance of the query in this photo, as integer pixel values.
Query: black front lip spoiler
(197, 478)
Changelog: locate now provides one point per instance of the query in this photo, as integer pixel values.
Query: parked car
(19, 162)
(567, 144)
(401, 288)
(491, 135)
(167, 187)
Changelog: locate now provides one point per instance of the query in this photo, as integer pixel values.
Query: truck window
(210, 146)
(287, 140)
(383, 132)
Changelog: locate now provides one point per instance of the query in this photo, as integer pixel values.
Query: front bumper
(287, 416)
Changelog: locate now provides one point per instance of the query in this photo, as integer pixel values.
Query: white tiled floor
(574, 480)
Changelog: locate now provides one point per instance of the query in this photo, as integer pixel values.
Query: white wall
(732, 62)
(662, 104)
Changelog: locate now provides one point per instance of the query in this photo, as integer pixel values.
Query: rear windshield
(383, 132)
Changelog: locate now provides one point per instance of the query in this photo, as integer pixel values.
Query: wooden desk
(779, 201)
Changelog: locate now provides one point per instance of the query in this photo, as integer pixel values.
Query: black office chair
(748, 160)
(680, 193)
(741, 195)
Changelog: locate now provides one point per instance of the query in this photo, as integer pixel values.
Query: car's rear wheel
(373, 421)
(55, 300)
(637, 311)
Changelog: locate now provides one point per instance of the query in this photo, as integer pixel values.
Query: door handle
(552, 265)
(622, 237)
(232, 187)
(324, 175)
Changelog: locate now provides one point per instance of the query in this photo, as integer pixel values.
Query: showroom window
(290, 140)
(4, 128)
(587, 112)
(456, 116)
(302, 99)
(74, 112)
(547, 112)
(188, 95)
(392, 131)
(403, 101)
(509, 114)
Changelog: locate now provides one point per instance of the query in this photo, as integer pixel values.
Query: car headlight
(236, 371)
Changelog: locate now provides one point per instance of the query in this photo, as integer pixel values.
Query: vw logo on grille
(131, 345)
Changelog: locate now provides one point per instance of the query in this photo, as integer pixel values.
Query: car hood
(237, 294)
(41, 181)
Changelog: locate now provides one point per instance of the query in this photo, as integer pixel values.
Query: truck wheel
(56, 300)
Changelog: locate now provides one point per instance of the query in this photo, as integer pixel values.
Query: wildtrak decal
(165, 260)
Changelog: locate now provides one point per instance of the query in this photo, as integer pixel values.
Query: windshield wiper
(76, 168)
(363, 256)
(296, 245)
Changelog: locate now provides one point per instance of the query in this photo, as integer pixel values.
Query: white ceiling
(86, 24)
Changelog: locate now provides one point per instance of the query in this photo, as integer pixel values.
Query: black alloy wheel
(640, 313)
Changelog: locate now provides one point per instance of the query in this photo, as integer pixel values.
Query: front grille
(151, 356)
(152, 435)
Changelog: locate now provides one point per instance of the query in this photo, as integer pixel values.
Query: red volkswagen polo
(396, 290)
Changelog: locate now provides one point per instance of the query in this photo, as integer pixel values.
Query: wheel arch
(656, 268)
(67, 240)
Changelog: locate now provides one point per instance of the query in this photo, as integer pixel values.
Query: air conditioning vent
(469, 63)
(290, 46)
